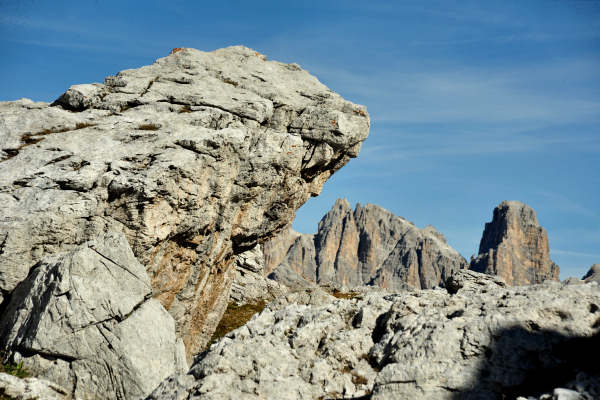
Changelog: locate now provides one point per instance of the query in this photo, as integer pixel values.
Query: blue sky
(471, 103)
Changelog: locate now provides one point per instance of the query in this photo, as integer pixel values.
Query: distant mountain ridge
(372, 246)
(367, 246)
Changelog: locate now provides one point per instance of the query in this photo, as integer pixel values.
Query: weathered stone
(12, 387)
(85, 320)
(486, 340)
(593, 275)
(515, 247)
(250, 284)
(285, 275)
(195, 158)
(295, 352)
(367, 246)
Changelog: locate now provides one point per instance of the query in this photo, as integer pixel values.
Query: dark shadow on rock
(530, 362)
(365, 397)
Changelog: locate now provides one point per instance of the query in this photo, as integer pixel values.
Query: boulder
(85, 320)
(195, 158)
(515, 247)
(367, 246)
(481, 339)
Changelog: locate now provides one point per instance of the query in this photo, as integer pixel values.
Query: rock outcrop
(367, 246)
(195, 158)
(86, 320)
(515, 247)
(249, 283)
(485, 339)
(593, 275)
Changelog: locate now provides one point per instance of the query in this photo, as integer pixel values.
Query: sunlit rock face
(515, 247)
(367, 246)
(194, 159)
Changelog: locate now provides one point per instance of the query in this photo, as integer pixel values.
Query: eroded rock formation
(194, 159)
(369, 245)
(515, 247)
(480, 339)
(250, 285)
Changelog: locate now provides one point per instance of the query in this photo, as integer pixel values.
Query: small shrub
(15, 369)
(185, 109)
(230, 82)
(148, 127)
(342, 295)
(81, 125)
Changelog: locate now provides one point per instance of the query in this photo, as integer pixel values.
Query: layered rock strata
(367, 246)
(478, 339)
(194, 158)
(515, 247)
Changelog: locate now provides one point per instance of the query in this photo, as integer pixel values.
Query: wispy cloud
(566, 204)
(574, 253)
(74, 35)
(435, 145)
(473, 95)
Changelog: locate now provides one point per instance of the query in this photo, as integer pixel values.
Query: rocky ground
(132, 216)
(478, 339)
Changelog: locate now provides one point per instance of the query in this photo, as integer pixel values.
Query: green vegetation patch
(234, 317)
(12, 368)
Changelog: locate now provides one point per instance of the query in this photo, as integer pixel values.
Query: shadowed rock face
(369, 245)
(195, 158)
(515, 247)
(593, 275)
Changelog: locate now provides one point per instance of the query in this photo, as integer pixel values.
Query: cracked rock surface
(479, 339)
(195, 158)
(85, 320)
(250, 284)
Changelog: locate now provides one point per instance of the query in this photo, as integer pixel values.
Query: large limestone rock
(369, 245)
(515, 247)
(195, 158)
(85, 319)
(480, 339)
